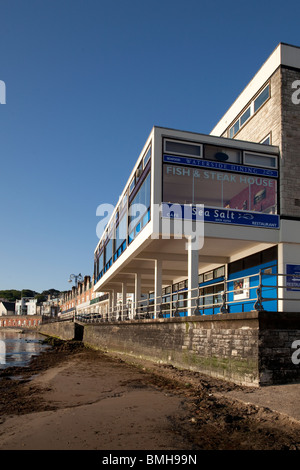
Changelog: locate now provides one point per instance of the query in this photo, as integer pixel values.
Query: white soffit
(284, 54)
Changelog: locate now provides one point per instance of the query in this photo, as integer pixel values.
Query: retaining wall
(252, 348)
(64, 330)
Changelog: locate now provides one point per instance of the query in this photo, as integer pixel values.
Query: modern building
(211, 223)
(27, 306)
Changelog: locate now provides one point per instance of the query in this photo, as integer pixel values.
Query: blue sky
(86, 80)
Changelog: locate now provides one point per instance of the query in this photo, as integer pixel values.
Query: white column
(157, 286)
(110, 303)
(193, 268)
(115, 303)
(124, 299)
(137, 290)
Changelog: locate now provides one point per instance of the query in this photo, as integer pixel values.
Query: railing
(259, 291)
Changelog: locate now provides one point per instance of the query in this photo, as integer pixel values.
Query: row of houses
(30, 306)
(82, 300)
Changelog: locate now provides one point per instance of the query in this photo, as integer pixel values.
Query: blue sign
(219, 166)
(293, 281)
(221, 216)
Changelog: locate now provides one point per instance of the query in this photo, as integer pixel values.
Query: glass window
(132, 185)
(245, 116)
(186, 185)
(254, 106)
(219, 272)
(266, 140)
(262, 97)
(256, 159)
(139, 207)
(147, 157)
(183, 148)
(108, 251)
(236, 127)
(121, 231)
(100, 263)
(208, 276)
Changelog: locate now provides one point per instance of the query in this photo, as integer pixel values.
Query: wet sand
(74, 398)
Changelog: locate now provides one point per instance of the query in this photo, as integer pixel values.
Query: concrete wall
(251, 348)
(219, 345)
(64, 330)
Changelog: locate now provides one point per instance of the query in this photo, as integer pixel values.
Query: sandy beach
(74, 398)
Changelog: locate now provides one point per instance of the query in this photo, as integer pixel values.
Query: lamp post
(77, 278)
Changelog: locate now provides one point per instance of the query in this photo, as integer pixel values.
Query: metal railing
(259, 291)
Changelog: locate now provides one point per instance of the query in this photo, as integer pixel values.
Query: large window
(252, 109)
(121, 235)
(186, 185)
(139, 209)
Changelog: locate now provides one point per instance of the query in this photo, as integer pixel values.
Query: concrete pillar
(111, 303)
(193, 279)
(124, 300)
(137, 291)
(157, 286)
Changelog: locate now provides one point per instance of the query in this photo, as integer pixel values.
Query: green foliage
(12, 295)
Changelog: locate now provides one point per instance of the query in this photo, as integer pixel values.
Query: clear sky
(86, 80)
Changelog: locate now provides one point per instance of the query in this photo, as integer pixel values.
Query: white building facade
(188, 187)
(211, 223)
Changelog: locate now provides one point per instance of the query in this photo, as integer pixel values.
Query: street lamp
(77, 278)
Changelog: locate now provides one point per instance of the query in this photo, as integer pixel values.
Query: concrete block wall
(280, 117)
(64, 330)
(290, 147)
(251, 348)
(222, 346)
(267, 119)
(277, 333)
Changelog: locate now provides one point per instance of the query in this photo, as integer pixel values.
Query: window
(254, 106)
(262, 160)
(208, 276)
(256, 259)
(147, 157)
(108, 253)
(262, 97)
(245, 116)
(183, 148)
(121, 236)
(220, 189)
(266, 140)
(139, 210)
(132, 185)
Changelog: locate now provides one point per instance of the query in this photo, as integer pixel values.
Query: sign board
(222, 216)
(196, 162)
(241, 289)
(293, 281)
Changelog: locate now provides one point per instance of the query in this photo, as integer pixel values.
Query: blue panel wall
(269, 288)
